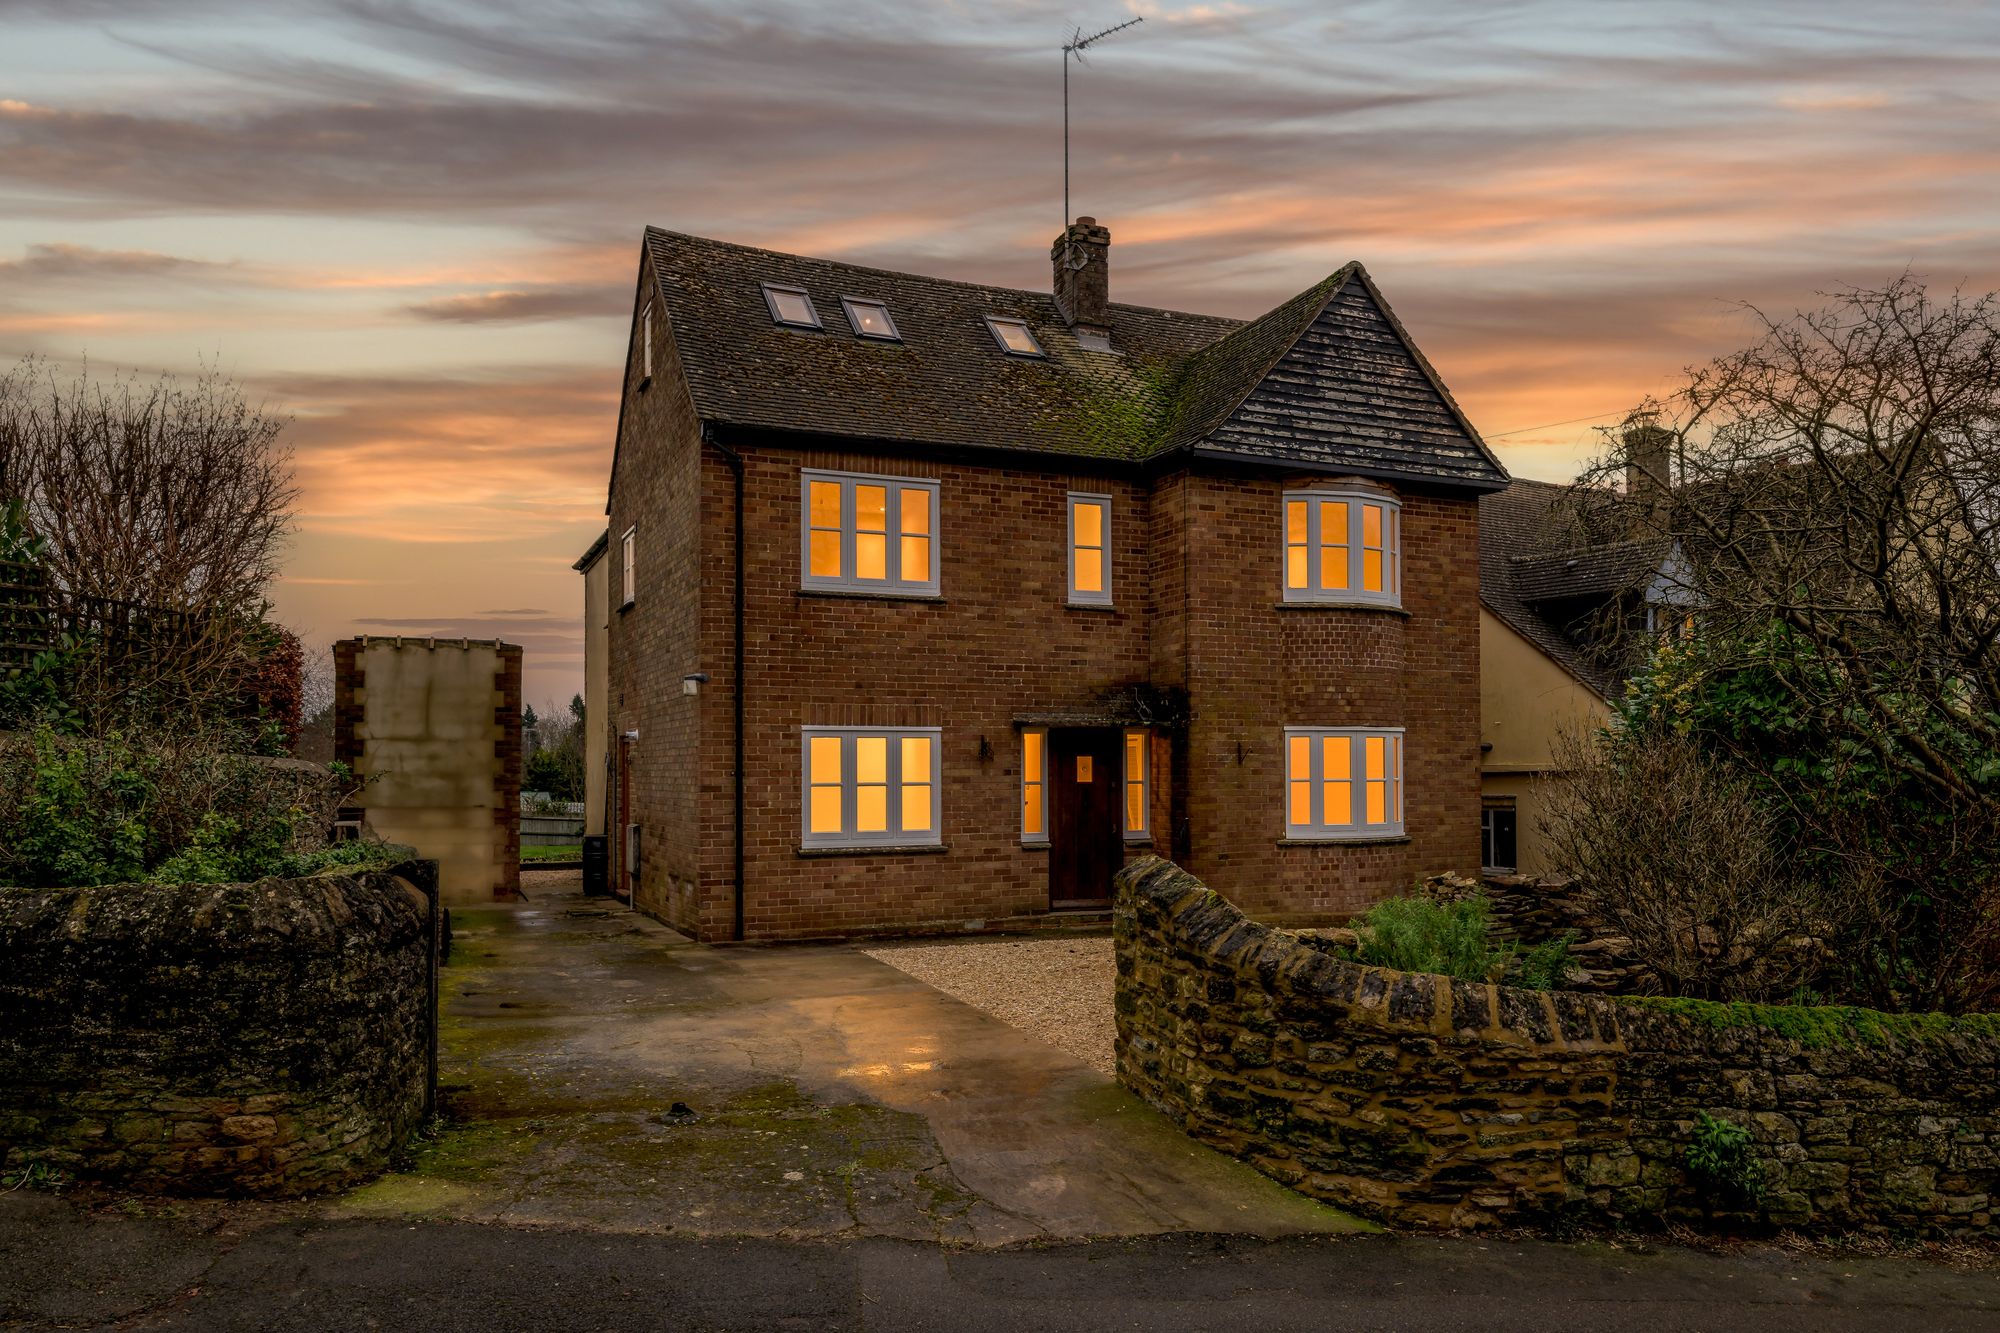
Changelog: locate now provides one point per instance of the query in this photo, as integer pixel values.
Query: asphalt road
(64, 1266)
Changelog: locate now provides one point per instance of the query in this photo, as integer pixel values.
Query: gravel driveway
(1057, 989)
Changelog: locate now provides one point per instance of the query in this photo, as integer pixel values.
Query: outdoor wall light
(692, 682)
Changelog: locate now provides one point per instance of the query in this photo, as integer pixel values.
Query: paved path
(824, 1093)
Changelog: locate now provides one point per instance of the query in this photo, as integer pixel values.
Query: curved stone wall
(1432, 1102)
(265, 1038)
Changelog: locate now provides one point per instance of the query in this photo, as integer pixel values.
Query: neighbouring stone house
(928, 603)
(1566, 601)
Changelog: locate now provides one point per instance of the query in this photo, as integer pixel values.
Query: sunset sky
(413, 224)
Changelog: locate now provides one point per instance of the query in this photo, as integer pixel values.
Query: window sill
(881, 596)
(1028, 845)
(1090, 606)
(1342, 606)
(918, 849)
(1137, 843)
(1365, 840)
(627, 605)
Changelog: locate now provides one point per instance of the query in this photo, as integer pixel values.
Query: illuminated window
(1342, 547)
(791, 306)
(1013, 335)
(865, 787)
(870, 319)
(1138, 753)
(1090, 549)
(1034, 786)
(628, 580)
(869, 534)
(1343, 783)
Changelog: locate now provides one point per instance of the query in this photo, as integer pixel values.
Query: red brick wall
(1000, 642)
(658, 487)
(1258, 666)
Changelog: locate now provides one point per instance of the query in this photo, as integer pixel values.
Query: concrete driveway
(602, 1071)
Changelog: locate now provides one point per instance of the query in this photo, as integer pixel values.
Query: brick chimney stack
(1082, 259)
(1648, 464)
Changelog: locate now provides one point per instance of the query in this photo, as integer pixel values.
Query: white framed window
(861, 533)
(646, 341)
(1013, 335)
(1089, 549)
(870, 787)
(1034, 785)
(1343, 782)
(1138, 783)
(628, 581)
(870, 319)
(790, 306)
(1343, 546)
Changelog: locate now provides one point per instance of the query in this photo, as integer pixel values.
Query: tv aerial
(1074, 48)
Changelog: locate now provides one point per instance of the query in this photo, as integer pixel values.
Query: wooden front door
(1086, 833)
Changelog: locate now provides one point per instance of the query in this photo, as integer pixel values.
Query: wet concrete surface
(601, 1071)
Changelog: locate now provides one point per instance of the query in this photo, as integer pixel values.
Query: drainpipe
(735, 461)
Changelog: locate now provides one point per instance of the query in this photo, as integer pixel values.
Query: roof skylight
(791, 305)
(870, 319)
(1014, 336)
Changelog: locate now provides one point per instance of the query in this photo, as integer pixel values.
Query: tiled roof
(1326, 380)
(1514, 528)
(1597, 571)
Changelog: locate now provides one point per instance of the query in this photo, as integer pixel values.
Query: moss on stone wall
(1823, 1027)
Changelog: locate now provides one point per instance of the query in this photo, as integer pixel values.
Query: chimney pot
(1081, 258)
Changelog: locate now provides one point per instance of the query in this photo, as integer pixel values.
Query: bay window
(1343, 546)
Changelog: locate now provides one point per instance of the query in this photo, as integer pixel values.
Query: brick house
(929, 602)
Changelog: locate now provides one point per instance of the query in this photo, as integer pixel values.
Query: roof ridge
(652, 230)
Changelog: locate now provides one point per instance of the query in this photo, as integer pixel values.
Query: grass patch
(572, 851)
(1823, 1026)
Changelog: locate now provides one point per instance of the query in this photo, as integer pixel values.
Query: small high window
(646, 342)
(791, 305)
(1343, 546)
(871, 788)
(1343, 783)
(870, 319)
(1014, 336)
(866, 533)
(628, 582)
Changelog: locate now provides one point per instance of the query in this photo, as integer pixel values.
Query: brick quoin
(1196, 579)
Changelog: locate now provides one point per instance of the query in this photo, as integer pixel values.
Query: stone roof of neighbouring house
(1328, 380)
(1525, 573)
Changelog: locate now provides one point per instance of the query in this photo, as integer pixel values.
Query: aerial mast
(1074, 48)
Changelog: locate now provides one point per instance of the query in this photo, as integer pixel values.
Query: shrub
(1546, 966)
(1422, 935)
(174, 809)
(1721, 1162)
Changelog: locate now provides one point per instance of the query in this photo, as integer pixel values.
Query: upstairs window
(865, 787)
(628, 582)
(1343, 546)
(1013, 335)
(1343, 783)
(869, 534)
(870, 319)
(1089, 549)
(791, 306)
(646, 342)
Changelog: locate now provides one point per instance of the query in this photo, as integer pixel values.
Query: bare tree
(160, 513)
(1832, 498)
(1676, 852)
(175, 494)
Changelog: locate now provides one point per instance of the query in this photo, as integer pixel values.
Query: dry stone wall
(1427, 1101)
(269, 1038)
